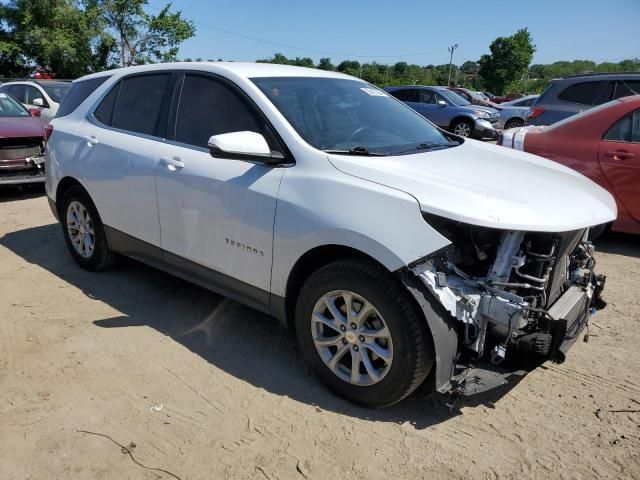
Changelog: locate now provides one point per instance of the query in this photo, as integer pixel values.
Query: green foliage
(141, 37)
(508, 62)
(49, 33)
(74, 39)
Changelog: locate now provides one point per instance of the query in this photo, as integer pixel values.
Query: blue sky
(409, 30)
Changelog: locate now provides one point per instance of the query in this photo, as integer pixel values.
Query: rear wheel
(83, 231)
(462, 128)
(514, 123)
(362, 334)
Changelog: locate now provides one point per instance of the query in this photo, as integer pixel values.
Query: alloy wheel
(462, 129)
(80, 229)
(352, 338)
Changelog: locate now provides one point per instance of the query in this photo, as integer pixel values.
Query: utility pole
(451, 50)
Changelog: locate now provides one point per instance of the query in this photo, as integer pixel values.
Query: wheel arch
(457, 118)
(63, 186)
(311, 261)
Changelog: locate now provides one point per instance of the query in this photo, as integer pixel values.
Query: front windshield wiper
(428, 146)
(364, 151)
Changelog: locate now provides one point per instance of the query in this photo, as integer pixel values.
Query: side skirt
(190, 271)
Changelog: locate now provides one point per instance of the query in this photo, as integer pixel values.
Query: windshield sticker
(374, 92)
(3, 95)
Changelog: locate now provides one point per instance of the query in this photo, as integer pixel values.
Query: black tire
(461, 124)
(102, 256)
(514, 123)
(412, 356)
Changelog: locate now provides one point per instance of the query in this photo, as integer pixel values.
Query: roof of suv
(604, 76)
(242, 69)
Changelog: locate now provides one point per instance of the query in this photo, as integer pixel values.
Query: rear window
(584, 93)
(626, 88)
(78, 93)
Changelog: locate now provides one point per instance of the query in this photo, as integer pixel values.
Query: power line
(311, 50)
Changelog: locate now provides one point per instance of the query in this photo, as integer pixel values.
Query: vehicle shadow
(241, 341)
(10, 193)
(618, 244)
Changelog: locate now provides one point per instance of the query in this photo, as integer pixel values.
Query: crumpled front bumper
(460, 305)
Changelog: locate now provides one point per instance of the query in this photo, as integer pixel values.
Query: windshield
(56, 91)
(350, 116)
(454, 98)
(10, 107)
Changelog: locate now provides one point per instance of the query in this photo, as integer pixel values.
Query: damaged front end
(513, 294)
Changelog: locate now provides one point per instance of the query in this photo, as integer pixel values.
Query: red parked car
(507, 98)
(602, 143)
(22, 142)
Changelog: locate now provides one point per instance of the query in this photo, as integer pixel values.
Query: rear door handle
(619, 154)
(173, 163)
(91, 140)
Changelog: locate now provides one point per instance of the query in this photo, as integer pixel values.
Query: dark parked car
(22, 141)
(570, 95)
(448, 110)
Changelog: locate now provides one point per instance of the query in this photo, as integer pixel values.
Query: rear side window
(78, 93)
(104, 112)
(627, 129)
(139, 101)
(626, 88)
(209, 107)
(407, 95)
(584, 93)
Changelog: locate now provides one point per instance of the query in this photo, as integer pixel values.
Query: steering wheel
(357, 132)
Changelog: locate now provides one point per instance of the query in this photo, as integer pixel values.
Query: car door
(619, 156)
(217, 214)
(116, 155)
(427, 105)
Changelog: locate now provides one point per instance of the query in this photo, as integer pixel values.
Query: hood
(490, 186)
(482, 108)
(16, 127)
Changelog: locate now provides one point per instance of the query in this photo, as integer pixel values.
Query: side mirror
(38, 102)
(35, 112)
(442, 103)
(249, 146)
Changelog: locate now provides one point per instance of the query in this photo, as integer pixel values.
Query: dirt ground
(203, 388)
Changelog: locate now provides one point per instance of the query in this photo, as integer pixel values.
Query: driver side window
(627, 129)
(427, 96)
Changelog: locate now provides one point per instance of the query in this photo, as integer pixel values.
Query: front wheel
(514, 123)
(462, 128)
(362, 334)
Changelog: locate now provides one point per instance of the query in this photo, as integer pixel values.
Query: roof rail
(596, 74)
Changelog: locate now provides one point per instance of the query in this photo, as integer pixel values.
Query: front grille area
(20, 148)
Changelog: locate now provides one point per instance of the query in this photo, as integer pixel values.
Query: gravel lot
(203, 388)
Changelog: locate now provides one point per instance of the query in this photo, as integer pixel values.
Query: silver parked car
(514, 113)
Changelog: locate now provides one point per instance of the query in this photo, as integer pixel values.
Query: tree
(325, 64)
(50, 33)
(350, 67)
(141, 37)
(508, 62)
(469, 67)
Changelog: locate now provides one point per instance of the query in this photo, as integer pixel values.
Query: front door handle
(173, 163)
(619, 154)
(91, 140)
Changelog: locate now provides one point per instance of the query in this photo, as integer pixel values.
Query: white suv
(45, 95)
(394, 248)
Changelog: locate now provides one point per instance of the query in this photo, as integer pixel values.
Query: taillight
(535, 112)
(500, 139)
(48, 130)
